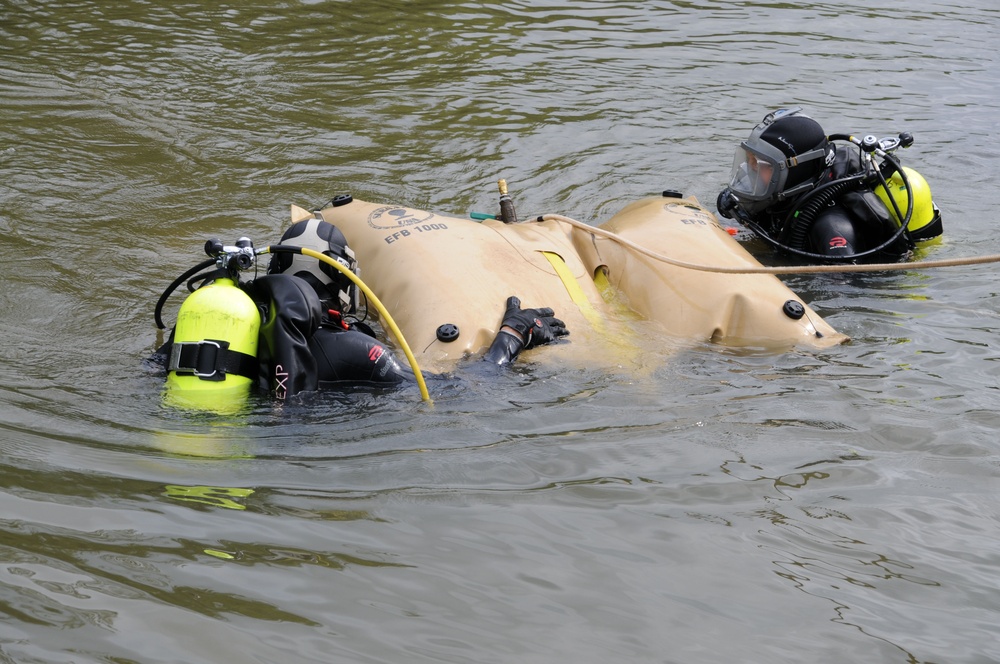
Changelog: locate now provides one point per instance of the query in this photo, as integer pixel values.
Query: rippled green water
(734, 507)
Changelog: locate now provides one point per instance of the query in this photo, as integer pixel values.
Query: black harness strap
(210, 359)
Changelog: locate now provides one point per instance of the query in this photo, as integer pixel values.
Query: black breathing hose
(800, 219)
(173, 286)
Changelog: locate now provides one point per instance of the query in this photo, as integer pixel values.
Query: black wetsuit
(853, 221)
(303, 346)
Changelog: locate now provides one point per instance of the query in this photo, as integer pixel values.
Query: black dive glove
(523, 328)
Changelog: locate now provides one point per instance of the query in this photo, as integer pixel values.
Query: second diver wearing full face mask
(817, 198)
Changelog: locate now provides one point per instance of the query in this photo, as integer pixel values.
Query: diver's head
(334, 288)
(784, 156)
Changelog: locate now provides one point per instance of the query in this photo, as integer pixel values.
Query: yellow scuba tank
(925, 220)
(213, 357)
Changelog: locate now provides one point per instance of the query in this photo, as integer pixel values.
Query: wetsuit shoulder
(355, 357)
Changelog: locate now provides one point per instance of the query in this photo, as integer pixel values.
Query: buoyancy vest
(300, 350)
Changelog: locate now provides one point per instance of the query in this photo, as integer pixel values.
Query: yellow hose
(372, 299)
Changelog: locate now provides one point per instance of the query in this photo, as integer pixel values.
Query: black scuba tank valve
(245, 258)
(869, 143)
(238, 257)
(214, 247)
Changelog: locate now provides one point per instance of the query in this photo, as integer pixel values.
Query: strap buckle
(205, 359)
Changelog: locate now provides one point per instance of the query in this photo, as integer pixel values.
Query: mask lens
(753, 175)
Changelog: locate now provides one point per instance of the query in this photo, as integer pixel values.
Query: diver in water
(819, 200)
(305, 326)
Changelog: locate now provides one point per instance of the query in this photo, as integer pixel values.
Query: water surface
(733, 506)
